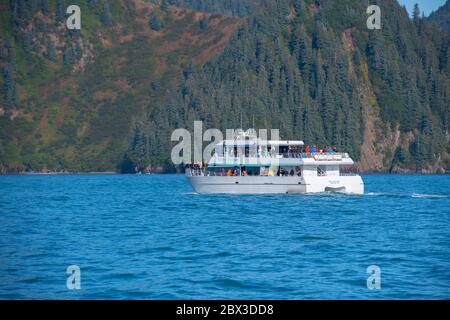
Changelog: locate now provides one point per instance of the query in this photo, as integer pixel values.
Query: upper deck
(283, 159)
(246, 149)
(256, 152)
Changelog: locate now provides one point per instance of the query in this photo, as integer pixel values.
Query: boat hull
(273, 185)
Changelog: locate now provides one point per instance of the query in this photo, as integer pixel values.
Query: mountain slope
(108, 98)
(314, 70)
(237, 8)
(442, 16)
(76, 94)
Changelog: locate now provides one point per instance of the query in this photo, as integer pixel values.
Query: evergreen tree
(189, 69)
(416, 13)
(51, 51)
(45, 7)
(156, 23)
(203, 24)
(106, 14)
(164, 5)
(69, 57)
(60, 10)
(9, 73)
(92, 3)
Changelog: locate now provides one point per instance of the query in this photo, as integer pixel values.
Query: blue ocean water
(152, 237)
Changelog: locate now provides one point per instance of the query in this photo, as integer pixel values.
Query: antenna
(253, 116)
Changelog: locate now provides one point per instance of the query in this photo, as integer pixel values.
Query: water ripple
(152, 237)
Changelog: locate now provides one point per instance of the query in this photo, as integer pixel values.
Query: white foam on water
(378, 194)
(423, 195)
(413, 195)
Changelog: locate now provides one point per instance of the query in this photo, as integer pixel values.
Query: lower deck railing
(202, 172)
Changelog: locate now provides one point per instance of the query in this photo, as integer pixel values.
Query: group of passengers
(196, 169)
(308, 151)
(236, 172)
(282, 172)
(295, 151)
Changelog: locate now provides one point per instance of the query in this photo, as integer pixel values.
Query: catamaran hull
(273, 185)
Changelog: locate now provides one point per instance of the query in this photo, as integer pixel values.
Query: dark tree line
(289, 69)
(11, 94)
(228, 7)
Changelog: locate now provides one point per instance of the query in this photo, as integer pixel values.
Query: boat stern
(347, 184)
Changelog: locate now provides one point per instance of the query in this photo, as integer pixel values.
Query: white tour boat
(248, 165)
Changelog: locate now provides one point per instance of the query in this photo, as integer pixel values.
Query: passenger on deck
(293, 153)
(266, 152)
(229, 173)
(235, 173)
(290, 153)
(313, 149)
(308, 149)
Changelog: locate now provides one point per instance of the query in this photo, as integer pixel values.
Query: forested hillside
(314, 70)
(107, 98)
(68, 99)
(442, 16)
(237, 8)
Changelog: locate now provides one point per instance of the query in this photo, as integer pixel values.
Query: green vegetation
(107, 97)
(442, 16)
(298, 66)
(69, 99)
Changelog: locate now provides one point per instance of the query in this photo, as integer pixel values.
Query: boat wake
(408, 195)
(438, 196)
(344, 194)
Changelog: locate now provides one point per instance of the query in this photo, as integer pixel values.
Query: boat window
(348, 170)
(282, 149)
(321, 171)
(263, 171)
(253, 171)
